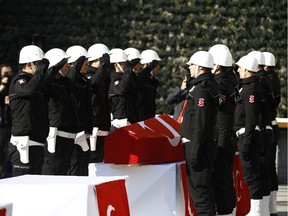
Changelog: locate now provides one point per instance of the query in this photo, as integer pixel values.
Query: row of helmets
(32, 53)
(220, 54)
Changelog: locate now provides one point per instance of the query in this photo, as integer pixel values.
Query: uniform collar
(202, 77)
(220, 75)
(250, 80)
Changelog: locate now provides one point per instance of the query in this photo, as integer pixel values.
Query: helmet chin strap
(121, 69)
(214, 69)
(34, 67)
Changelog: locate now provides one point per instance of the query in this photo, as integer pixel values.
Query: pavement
(282, 200)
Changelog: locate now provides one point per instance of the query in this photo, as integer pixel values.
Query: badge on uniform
(22, 81)
(116, 82)
(201, 102)
(251, 99)
(222, 99)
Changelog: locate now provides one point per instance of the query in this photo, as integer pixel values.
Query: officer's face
(64, 70)
(241, 72)
(84, 67)
(96, 63)
(193, 71)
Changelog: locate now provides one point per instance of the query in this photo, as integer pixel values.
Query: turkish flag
(112, 198)
(153, 141)
(189, 206)
(241, 188)
(3, 212)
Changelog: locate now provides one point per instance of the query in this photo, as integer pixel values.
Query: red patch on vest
(22, 81)
(201, 102)
(251, 99)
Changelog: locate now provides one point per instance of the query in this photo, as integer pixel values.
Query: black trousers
(36, 156)
(4, 140)
(251, 167)
(98, 155)
(58, 163)
(79, 162)
(265, 160)
(273, 174)
(200, 180)
(222, 179)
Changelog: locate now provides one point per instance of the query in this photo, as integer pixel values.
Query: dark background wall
(175, 29)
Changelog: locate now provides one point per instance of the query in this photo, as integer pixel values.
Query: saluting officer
(148, 84)
(223, 166)
(28, 104)
(269, 67)
(63, 114)
(99, 77)
(198, 131)
(246, 120)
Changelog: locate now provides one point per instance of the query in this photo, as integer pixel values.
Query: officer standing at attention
(147, 84)
(265, 126)
(63, 114)
(223, 166)
(30, 123)
(99, 76)
(269, 67)
(198, 131)
(246, 120)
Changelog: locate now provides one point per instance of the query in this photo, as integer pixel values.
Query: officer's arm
(22, 87)
(176, 96)
(120, 86)
(252, 112)
(202, 111)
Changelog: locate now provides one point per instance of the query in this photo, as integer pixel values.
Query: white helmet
(75, 52)
(222, 57)
(117, 55)
(132, 53)
(249, 63)
(202, 58)
(217, 47)
(148, 56)
(30, 53)
(259, 56)
(55, 55)
(269, 59)
(96, 51)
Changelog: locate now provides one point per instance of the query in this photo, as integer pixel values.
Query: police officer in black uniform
(223, 166)
(147, 84)
(198, 131)
(246, 121)
(269, 67)
(99, 76)
(28, 104)
(63, 115)
(265, 126)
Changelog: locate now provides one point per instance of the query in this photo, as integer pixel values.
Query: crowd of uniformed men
(64, 103)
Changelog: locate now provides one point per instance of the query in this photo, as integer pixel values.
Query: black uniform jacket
(248, 108)
(267, 110)
(29, 107)
(83, 96)
(147, 89)
(117, 94)
(100, 82)
(276, 91)
(225, 115)
(199, 118)
(62, 104)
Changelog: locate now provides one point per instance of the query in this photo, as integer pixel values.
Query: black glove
(42, 67)
(78, 63)
(105, 59)
(131, 64)
(59, 65)
(153, 64)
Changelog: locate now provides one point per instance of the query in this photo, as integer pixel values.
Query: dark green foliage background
(175, 29)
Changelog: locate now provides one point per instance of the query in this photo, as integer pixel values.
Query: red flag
(241, 188)
(3, 212)
(112, 199)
